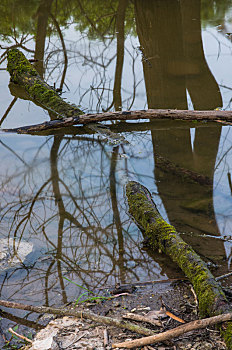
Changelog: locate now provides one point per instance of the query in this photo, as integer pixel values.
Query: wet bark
(162, 236)
(24, 74)
(152, 114)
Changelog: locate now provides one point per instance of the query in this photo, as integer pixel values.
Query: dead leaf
(156, 314)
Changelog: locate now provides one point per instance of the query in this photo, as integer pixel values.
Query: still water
(62, 194)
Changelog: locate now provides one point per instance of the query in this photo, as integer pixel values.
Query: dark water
(62, 195)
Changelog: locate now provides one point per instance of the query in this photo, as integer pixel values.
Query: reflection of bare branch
(116, 213)
(64, 50)
(12, 151)
(8, 110)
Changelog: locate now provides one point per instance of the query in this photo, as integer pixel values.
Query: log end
(18, 64)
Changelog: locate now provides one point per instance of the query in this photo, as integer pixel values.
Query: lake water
(63, 193)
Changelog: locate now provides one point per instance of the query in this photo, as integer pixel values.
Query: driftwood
(176, 332)
(162, 236)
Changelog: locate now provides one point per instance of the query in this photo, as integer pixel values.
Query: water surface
(63, 193)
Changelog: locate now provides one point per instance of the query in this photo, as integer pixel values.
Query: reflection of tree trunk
(120, 54)
(200, 82)
(41, 32)
(159, 31)
(168, 72)
(61, 209)
(116, 214)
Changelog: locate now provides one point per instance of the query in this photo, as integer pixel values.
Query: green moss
(17, 63)
(24, 74)
(45, 95)
(163, 236)
(226, 332)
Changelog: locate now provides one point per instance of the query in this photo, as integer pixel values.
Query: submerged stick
(162, 236)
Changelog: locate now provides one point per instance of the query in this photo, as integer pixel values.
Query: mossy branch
(162, 236)
(24, 74)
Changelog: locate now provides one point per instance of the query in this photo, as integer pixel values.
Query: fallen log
(26, 81)
(151, 114)
(164, 237)
(23, 73)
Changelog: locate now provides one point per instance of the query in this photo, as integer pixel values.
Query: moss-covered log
(163, 236)
(23, 73)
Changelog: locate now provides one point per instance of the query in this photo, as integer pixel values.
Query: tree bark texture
(23, 73)
(162, 236)
(66, 120)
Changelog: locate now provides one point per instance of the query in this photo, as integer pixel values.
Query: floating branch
(152, 114)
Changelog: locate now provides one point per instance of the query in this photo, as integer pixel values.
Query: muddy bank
(146, 299)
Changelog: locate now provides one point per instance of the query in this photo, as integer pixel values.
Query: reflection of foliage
(96, 18)
(213, 11)
(17, 16)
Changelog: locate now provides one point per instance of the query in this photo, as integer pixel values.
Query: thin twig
(106, 337)
(141, 318)
(223, 276)
(80, 314)
(20, 336)
(174, 317)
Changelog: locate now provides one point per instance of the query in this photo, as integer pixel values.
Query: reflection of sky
(218, 52)
(222, 190)
(81, 75)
